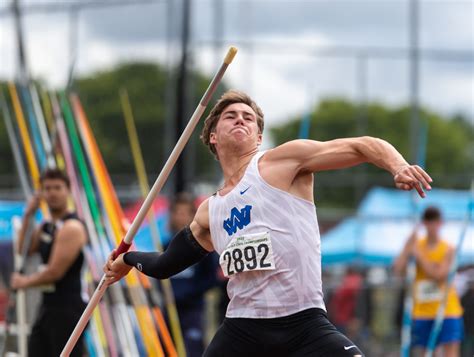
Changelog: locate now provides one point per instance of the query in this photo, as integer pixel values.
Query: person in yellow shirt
(434, 257)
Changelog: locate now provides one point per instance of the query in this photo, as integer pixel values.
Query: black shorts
(52, 329)
(306, 333)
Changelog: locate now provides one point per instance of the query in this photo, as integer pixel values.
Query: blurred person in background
(434, 257)
(6, 268)
(59, 242)
(342, 306)
(3, 300)
(190, 285)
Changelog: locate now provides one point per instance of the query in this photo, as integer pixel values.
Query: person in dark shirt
(59, 242)
(190, 285)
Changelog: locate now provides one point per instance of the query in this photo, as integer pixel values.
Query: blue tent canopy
(384, 221)
(9, 209)
(390, 203)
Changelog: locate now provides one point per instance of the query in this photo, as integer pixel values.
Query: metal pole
(170, 129)
(218, 35)
(362, 64)
(23, 68)
(414, 78)
(181, 99)
(73, 42)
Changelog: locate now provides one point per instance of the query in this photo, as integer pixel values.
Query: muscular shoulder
(281, 167)
(200, 226)
(73, 228)
(202, 214)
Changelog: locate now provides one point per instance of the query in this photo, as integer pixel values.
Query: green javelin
(116, 293)
(81, 162)
(86, 179)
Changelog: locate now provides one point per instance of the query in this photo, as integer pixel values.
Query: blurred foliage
(151, 90)
(152, 93)
(6, 163)
(449, 151)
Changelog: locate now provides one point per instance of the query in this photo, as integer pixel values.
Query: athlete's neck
(57, 214)
(432, 239)
(233, 165)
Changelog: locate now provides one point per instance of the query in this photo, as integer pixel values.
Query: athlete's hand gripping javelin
(115, 268)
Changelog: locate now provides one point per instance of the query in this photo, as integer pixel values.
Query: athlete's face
(56, 193)
(237, 125)
(433, 227)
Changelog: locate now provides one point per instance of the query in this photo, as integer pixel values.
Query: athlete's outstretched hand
(115, 269)
(413, 177)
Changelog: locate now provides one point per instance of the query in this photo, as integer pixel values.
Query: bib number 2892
(246, 253)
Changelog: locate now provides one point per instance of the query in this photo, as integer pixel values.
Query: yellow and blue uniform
(428, 294)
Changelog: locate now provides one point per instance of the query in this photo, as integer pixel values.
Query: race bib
(428, 291)
(247, 253)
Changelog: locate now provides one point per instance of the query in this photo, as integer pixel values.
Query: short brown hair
(55, 174)
(228, 98)
(431, 214)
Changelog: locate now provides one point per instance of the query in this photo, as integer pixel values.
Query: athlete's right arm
(188, 247)
(28, 218)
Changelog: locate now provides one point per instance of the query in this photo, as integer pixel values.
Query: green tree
(151, 91)
(449, 152)
(6, 163)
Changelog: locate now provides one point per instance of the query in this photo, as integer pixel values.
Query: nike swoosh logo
(349, 347)
(242, 192)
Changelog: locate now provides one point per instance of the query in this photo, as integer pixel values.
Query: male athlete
(59, 243)
(434, 257)
(263, 224)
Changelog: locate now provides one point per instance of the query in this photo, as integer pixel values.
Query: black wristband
(182, 252)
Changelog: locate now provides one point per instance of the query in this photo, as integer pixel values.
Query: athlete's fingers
(110, 280)
(108, 272)
(423, 172)
(403, 186)
(420, 177)
(405, 179)
(419, 189)
(109, 263)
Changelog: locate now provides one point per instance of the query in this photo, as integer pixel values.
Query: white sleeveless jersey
(269, 246)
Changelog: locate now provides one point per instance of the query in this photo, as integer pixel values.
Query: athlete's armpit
(200, 227)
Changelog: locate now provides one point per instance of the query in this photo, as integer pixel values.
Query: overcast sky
(279, 62)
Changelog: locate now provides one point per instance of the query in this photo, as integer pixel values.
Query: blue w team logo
(238, 219)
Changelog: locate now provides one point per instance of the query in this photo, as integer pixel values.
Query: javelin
(157, 186)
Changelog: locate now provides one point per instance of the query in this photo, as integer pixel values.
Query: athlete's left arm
(68, 243)
(435, 271)
(313, 156)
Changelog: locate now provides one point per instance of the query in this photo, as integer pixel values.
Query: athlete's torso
(270, 248)
(68, 288)
(427, 292)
